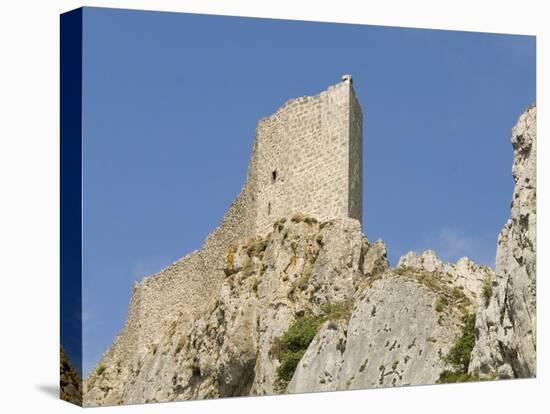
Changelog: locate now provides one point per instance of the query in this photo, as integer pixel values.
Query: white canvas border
(29, 222)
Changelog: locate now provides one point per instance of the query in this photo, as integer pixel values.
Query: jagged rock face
(401, 325)
(397, 326)
(70, 384)
(427, 261)
(506, 328)
(464, 274)
(299, 267)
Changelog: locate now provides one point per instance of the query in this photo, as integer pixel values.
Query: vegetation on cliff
(460, 353)
(291, 347)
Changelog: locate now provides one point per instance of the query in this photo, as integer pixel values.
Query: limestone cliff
(312, 305)
(402, 324)
(506, 326)
(301, 268)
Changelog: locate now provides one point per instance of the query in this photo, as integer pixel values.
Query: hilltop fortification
(288, 295)
(306, 158)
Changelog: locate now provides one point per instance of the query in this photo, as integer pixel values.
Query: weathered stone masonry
(306, 158)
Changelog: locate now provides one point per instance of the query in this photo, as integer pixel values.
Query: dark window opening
(273, 176)
(268, 209)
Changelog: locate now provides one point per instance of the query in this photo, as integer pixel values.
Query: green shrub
(301, 333)
(337, 311)
(285, 371)
(487, 289)
(458, 294)
(460, 353)
(290, 347)
(401, 270)
(100, 369)
(448, 377)
(441, 303)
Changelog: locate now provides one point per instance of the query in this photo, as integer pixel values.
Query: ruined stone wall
(189, 284)
(309, 158)
(306, 158)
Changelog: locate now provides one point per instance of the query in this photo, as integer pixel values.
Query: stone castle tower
(307, 158)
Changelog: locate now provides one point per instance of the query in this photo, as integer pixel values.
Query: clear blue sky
(171, 102)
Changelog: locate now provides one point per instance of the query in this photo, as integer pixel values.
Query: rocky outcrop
(70, 384)
(506, 327)
(314, 306)
(371, 326)
(394, 337)
(301, 268)
(468, 276)
(403, 323)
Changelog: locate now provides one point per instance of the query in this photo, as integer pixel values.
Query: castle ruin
(306, 158)
(220, 321)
